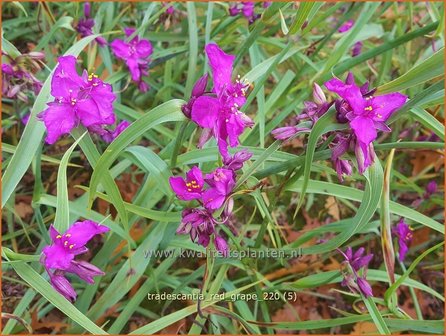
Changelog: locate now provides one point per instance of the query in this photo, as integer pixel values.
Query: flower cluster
(404, 233)
(212, 191)
(218, 112)
(247, 9)
(85, 26)
(85, 100)
(354, 262)
(18, 77)
(58, 258)
(365, 113)
(135, 53)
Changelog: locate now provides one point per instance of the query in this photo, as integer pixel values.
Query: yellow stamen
(71, 246)
(68, 235)
(58, 236)
(368, 108)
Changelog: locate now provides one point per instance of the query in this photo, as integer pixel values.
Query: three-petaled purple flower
(365, 113)
(190, 188)
(58, 258)
(219, 115)
(404, 233)
(352, 280)
(85, 26)
(135, 53)
(85, 100)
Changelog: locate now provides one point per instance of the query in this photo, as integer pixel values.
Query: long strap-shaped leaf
(169, 111)
(62, 219)
(42, 286)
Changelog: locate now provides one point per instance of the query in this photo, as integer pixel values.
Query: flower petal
(144, 48)
(120, 49)
(385, 105)
(66, 81)
(59, 119)
(350, 92)
(205, 111)
(364, 129)
(81, 232)
(221, 65)
(57, 257)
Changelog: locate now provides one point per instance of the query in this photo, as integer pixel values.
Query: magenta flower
(59, 256)
(108, 136)
(85, 100)
(221, 182)
(352, 280)
(405, 236)
(220, 115)
(346, 26)
(85, 26)
(136, 54)
(191, 188)
(365, 113)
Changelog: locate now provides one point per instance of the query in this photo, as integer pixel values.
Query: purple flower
(59, 256)
(357, 48)
(221, 245)
(236, 162)
(136, 54)
(405, 236)
(18, 77)
(221, 182)
(266, 4)
(346, 26)
(85, 100)
(352, 279)
(85, 26)
(109, 136)
(199, 224)
(221, 114)
(365, 113)
(191, 188)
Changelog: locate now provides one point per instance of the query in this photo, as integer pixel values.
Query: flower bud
(87, 9)
(221, 245)
(318, 94)
(200, 86)
(63, 286)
